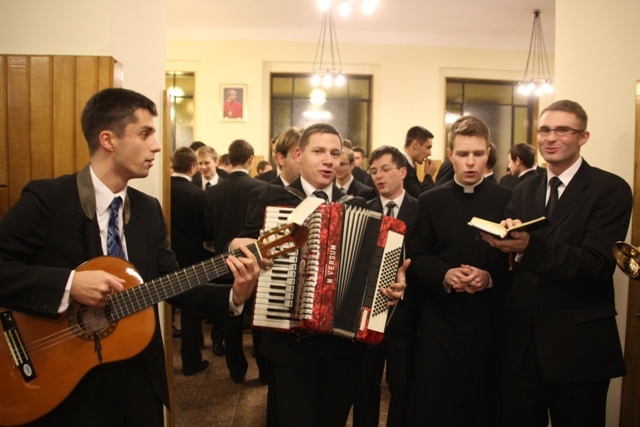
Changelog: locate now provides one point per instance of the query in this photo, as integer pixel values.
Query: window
(180, 86)
(294, 102)
(508, 114)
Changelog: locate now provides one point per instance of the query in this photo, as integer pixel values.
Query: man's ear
(297, 155)
(106, 140)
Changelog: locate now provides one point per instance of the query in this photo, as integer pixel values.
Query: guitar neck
(149, 293)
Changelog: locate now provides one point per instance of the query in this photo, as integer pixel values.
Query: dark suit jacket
(359, 189)
(268, 176)
(402, 318)
(445, 172)
(279, 346)
(52, 229)
(363, 177)
(411, 182)
(563, 287)
(509, 180)
(187, 222)
(226, 208)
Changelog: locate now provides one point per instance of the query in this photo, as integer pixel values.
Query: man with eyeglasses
(561, 344)
(387, 166)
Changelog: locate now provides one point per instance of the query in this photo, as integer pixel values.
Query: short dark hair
(569, 107)
(359, 150)
(419, 133)
(261, 165)
(397, 157)
(239, 152)
(112, 109)
(318, 128)
(183, 159)
(196, 144)
(224, 160)
(525, 152)
(469, 126)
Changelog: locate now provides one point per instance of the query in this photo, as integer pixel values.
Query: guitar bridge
(16, 346)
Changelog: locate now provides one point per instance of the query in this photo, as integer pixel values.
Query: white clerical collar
(468, 188)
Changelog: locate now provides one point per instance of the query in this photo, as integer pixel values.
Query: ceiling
(501, 24)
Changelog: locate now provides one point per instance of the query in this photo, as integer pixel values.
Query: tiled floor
(210, 398)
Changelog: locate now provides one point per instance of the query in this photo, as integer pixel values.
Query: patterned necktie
(390, 208)
(114, 246)
(554, 183)
(321, 195)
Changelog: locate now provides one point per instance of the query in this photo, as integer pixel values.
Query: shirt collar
(567, 175)
(104, 196)
(309, 189)
(468, 188)
(398, 200)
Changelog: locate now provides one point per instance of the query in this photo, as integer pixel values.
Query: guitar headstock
(281, 240)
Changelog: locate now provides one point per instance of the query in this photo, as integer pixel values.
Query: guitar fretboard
(149, 293)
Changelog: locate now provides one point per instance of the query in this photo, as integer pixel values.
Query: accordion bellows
(332, 284)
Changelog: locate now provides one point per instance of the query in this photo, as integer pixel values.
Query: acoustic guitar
(42, 360)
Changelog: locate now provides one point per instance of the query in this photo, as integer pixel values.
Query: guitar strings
(126, 304)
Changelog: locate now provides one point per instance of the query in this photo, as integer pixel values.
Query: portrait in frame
(233, 102)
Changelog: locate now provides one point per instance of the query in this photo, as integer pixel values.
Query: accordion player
(332, 284)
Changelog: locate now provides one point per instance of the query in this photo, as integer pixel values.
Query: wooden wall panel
(86, 85)
(4, 141)
(41, 120)
(18, 125)
(64, 114)
(41, 102)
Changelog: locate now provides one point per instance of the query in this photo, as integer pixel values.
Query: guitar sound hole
(85, 321)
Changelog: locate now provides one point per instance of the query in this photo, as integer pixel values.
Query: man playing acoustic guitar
(60, 223)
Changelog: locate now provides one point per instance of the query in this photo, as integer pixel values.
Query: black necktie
(390, 206)
(207, 185)
(554, 183)
(321, 195)
(114, 245)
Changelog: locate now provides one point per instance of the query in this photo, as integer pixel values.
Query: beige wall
(408, 83)
(132, 32)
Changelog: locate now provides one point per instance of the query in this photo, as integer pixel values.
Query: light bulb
(324, 5)
(315, 80)
(368, 6)
(345, 8)
(326, 80)
(340, 80)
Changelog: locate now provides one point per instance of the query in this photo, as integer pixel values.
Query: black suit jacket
(411, 182)
(278, 346)
(268, 176)
(403, 315)
(563, 287)
(227, 207)
(362, 176)
(187, 222)
(445, 172)
(356, 188)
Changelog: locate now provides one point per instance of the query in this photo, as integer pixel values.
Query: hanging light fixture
(537, 77)
(345, 6)
(328, 73)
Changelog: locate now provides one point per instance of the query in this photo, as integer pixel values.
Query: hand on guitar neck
(245, 273)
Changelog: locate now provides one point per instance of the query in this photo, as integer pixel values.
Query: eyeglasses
(383, 169)
(560, 131)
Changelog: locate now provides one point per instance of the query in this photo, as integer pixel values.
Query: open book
(499, 230)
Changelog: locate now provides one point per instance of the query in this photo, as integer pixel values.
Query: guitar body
(63, 350)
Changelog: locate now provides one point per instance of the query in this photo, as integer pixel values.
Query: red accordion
(332, 284)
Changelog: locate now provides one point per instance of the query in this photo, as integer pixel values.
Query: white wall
(131, 31)
(597, 64)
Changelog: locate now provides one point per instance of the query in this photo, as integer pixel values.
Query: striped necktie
(114, 245)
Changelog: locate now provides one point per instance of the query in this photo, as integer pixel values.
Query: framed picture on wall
(233, 103)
